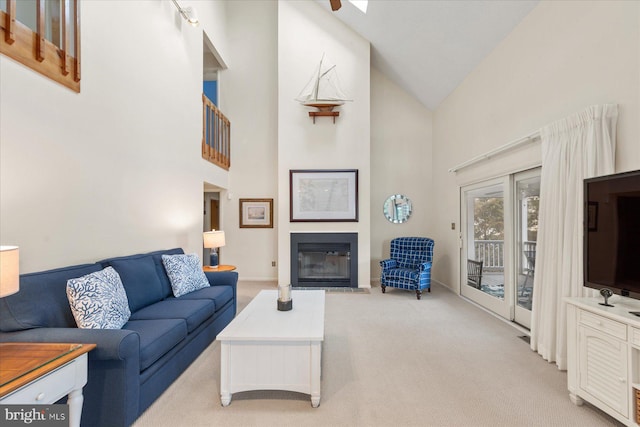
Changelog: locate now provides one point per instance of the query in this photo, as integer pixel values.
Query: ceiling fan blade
(335, 4)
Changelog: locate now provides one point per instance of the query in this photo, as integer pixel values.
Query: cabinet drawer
(635, 339)
(602, 324)
(45, 390)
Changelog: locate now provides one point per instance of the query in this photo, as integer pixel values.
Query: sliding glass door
(499, 229)
(527, 188)
(484, 253)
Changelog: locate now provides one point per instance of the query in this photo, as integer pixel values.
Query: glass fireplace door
(318, 265)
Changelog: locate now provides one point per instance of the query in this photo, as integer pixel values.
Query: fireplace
(324, 260)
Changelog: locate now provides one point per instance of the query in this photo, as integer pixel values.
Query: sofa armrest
(225, 278)
(222, 278)
(111, 344)
(386, 264)
(425, 266)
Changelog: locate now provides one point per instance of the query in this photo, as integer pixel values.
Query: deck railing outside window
(491, 253)
(216, 135)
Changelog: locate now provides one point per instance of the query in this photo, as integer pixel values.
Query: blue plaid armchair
(409, 267)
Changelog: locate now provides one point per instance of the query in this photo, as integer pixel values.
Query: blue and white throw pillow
(98, 300)
(185, 273)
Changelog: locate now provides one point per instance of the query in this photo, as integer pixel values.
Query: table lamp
(9, 270)
(213, 240)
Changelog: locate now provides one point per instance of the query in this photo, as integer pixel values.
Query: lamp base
(213, 259)
(285, 305)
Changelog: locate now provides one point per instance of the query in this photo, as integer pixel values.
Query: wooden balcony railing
(216, 135)
(50, 45)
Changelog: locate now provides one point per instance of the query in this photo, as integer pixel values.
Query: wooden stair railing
(216, 135)
(57, 58)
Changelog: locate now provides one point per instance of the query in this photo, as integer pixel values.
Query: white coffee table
(267, 349)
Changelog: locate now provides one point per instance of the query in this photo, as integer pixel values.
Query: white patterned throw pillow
(185, 273)
(98, 300)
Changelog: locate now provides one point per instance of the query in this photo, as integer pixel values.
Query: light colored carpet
(391, 360)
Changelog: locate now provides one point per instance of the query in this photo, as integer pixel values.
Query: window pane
(486, 239)
(528, 191)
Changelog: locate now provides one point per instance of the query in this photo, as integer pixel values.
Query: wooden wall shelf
(315, 114)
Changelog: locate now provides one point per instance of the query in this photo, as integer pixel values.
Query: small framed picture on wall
(256, 213)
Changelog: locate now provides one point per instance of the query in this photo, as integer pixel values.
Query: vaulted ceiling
(428, 47)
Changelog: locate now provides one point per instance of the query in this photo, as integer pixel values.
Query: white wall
(249, 97)
(400, 133)
(115, 169)
(401, 163)
(562, 58)
(305, 32)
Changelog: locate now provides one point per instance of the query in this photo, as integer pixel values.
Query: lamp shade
(213, 239)
(9, 270)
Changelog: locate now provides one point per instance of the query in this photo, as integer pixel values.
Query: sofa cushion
(140, 279)
(162, 272)
(98, 300)
(185, 273)
(25, 309)
(194, 312)
(219, 294)
(157, 337)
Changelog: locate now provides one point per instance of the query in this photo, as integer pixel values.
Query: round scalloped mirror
(397, 208)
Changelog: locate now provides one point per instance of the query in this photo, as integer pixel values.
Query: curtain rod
(534, 136)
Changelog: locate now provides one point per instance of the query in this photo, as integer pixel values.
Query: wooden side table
(220, 268)
(43, 373)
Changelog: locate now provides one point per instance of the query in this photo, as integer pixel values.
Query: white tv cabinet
(603, 355)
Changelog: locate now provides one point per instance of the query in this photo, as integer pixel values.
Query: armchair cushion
(403, 274)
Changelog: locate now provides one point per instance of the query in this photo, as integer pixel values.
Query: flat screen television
(612, 233)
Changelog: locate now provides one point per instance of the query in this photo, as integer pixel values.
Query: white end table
(43, 373)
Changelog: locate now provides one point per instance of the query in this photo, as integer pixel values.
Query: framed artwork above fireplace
(323, 195)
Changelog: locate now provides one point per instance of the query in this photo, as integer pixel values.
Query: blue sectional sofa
(130, 367)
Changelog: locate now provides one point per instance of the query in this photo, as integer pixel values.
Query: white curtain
(578, 147)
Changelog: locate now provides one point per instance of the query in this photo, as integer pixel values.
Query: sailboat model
(323, 92)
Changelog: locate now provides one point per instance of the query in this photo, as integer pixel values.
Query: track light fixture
(188, 13)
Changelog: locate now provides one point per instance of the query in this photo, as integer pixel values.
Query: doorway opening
(211, 218)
